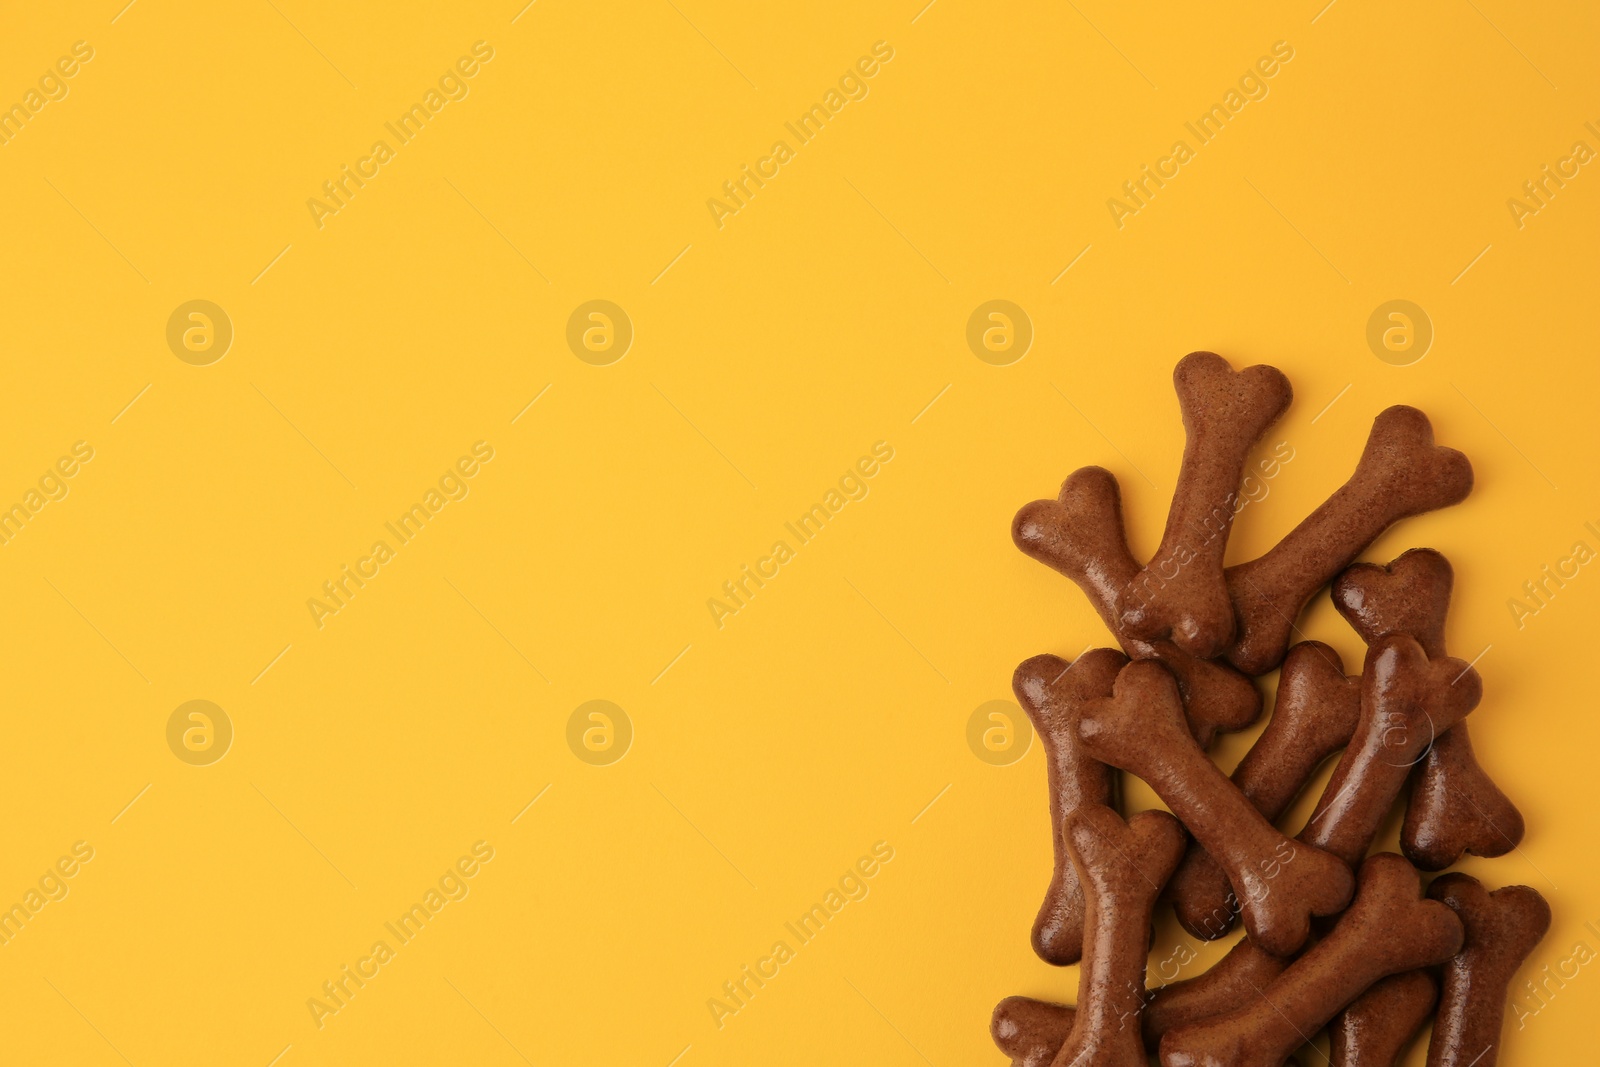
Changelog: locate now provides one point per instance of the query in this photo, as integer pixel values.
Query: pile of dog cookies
(1334, 937)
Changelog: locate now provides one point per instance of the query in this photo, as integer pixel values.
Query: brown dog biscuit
(1411, 595)
(1123, 866)
(1375, 1029)
(1216, 698)
(1455, 806)
(1502, 929)
(1401, 473)
(1181, 591)
(1030, 1031)
(1406, 701)
(1052, 691)
(1279, 883)
(1316, 712)
(1233, 980)
(1080, 534)
(1389, 928)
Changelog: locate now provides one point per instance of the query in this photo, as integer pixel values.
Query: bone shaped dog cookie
(1181, 591)
(1052, 691)
(1122, 866)
(1406, 701)
(1314, 716)
(1389, 928)
(1455, 806)
(1374, 1030)
(1502, 929)
(1080, 534)
(1030, 1031)
(1401, 473)
(1411, 595)
(1279, 883)
(1233, 980)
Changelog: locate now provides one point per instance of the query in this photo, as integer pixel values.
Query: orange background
(829, 313)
